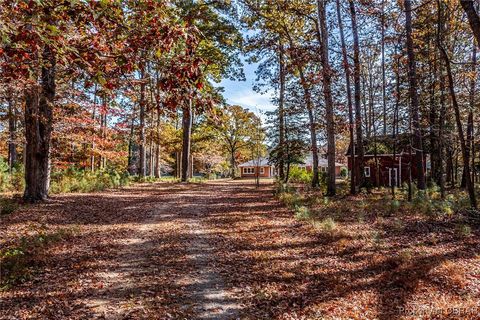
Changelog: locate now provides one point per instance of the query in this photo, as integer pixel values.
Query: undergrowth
(8, 206)
(19, 261)
(324, 213)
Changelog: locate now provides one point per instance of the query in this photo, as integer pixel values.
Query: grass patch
(303, 213)
(463, 230)
(327, 225)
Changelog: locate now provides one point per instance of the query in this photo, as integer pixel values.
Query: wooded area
(127, 86)
(372, 141)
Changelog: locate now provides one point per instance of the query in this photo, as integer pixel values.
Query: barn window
(262, 170)
(367, 172)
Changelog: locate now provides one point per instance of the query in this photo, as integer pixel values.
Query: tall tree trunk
(412, 76)
(232, 163)
(281, 113)
(313, 130)
(471, 131)
(327, 94)
(311, 117)
(103, 130)
(358, 107)
(470, 126)
(384, 82)
(142, 168)
(346, 67)
(461, 136)
(94, 115)
(449, 167)
(395, 123)
(371, 102)
(12, 133)
(187, 135)
(39, 104)
(433, 119)
(441, 129)
(473, 18)
(131, 144)
(157, 170)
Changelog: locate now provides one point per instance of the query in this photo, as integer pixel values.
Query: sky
(242, 93)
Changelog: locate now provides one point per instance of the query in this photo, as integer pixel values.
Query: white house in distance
(249, 169)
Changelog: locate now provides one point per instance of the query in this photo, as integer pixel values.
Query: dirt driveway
(226, 250)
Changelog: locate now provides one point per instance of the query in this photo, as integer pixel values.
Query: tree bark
(412, 76)
(441, 130)
(384, 82)
(453, 96)
(158, 173)
(395, 123)
(12, 133)
(142, 168)
(473, 18)
(281, 113)
(187, 134)
(327, 93)
(311, 117)
(313, 130)
(346, 67)
(39, 104)
(473, 82)
(94, 115)
(357, 94)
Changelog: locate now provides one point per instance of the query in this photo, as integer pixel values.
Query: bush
(302, 213)
(326, 225)
(13, 181)
(300, 175)
(344, 172)
(291, 200)
(463, 230)
(394, 206)
(79, 180)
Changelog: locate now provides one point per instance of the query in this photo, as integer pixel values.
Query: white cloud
(251, 100)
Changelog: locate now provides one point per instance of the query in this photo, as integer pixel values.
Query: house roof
(322, 162)
(261, 162)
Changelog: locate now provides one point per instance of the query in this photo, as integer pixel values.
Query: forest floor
(227, 250)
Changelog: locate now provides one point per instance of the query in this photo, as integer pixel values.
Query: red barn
(395, 161)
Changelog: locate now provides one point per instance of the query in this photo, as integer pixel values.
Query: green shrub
(79, 180)
(302, 213)
(291, 200)
(394, 206)
(300, 175)
(13, 181)
(326, 225)
(344, 172)
(463, 230)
